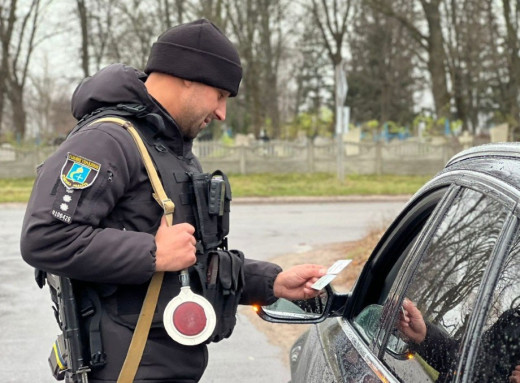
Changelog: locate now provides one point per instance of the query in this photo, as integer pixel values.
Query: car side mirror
(313, 310)
(368, 324)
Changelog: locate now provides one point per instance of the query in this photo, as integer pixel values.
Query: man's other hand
(175, 247)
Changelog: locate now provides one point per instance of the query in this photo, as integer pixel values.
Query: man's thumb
(163, 221)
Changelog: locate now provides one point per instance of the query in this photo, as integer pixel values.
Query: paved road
(261, 231)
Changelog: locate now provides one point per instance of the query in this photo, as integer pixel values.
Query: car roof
(500, 150)
(500, 161)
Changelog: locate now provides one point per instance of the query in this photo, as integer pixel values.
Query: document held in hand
(332, 273)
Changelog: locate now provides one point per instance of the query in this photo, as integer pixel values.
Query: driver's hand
(411, 322)
(515, 375)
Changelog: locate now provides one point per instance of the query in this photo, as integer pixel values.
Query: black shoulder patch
(65, 203)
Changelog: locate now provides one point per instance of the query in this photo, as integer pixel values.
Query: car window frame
(469, 345)
(408, 268)
(427, 203)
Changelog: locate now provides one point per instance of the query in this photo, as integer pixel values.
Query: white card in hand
(338, 266)
(332, 273)
(323, 281)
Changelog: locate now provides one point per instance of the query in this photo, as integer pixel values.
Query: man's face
(200, 104)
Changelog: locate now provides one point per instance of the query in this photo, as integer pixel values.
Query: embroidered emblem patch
(79, 172)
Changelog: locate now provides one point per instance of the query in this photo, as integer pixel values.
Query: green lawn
(15, 190)
(275, 185)
(322, 184)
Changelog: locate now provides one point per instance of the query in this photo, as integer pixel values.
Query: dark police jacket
(100, 228)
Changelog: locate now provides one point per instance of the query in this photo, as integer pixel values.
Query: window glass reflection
(439, 300)
(499, 348)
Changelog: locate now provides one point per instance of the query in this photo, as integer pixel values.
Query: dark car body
(454, 251)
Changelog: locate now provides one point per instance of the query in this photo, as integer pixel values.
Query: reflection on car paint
(311, 365)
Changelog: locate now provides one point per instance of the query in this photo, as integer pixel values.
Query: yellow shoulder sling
(135, 351)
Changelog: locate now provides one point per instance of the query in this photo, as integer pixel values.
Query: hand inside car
(296, 282)
(515, 375)
(411, 322)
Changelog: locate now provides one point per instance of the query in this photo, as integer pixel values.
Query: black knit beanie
(197, 51)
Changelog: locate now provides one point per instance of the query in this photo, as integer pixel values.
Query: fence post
(242, 158)
(310, 156)
(379, 158)
(340, 159)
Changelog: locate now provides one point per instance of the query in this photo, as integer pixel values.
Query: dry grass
(284, 335)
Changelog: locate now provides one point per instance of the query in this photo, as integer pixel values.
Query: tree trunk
(437, 59)
(83, 21)
(2, 99)
(19, 115)
(513, 86)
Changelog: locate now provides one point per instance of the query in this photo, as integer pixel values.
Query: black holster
(220, 271)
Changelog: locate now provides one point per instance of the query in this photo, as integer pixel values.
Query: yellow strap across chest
(142, 329)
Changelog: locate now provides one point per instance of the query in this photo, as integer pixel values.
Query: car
(438, 300)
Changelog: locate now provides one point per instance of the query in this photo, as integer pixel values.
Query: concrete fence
(22, 163)
(403, 157)
(396, 157)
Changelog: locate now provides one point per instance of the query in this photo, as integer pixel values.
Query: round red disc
(189, 318)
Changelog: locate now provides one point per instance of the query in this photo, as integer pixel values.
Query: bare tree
(83, 21)
(310, 74)
(214, 10)
(331, 18)
(18, 27)
(243, 18)
(98, 21)
(271, 48)
(468, 59)
(431, 43)
(48, 103)
(258, 27)
(511, 14)
(381, 71)
(168, 10)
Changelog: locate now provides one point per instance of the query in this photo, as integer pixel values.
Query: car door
(338, 350)
(343, 349)
(439, 288)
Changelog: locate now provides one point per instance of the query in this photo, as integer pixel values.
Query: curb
(327, 199)
(288, 199)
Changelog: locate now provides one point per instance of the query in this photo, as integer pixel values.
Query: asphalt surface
(261, 230)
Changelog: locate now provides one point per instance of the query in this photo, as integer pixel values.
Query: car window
(383, 267)
(441, 290)
(499, 344)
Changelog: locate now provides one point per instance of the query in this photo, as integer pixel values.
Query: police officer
(92, 217)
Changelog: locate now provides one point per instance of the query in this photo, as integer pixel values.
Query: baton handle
(184, 277)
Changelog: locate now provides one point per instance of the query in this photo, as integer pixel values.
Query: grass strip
(274, 185)
(15, 189)
(322, 184)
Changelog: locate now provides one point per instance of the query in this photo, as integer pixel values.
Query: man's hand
(296, 282)
(175, 247)
(515, 375)
(411, 322)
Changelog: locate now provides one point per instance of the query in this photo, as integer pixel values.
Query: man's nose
(220, 112)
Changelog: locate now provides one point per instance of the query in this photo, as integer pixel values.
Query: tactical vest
(203, 200)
